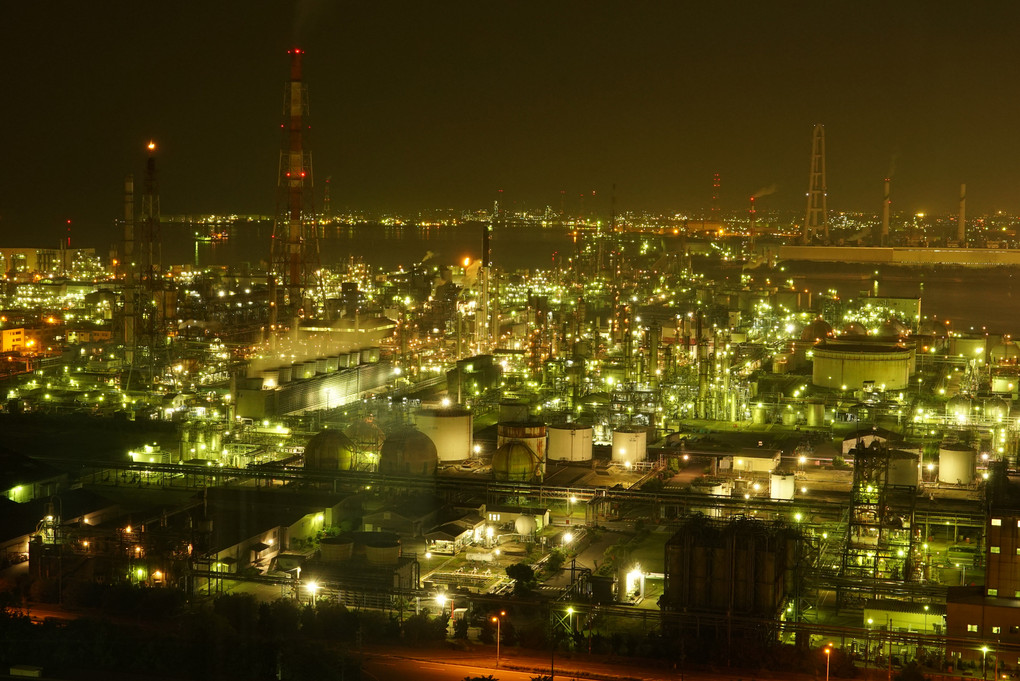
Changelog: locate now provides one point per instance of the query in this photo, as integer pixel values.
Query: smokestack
(961, 228)
(753, 216)
(886, 202)
(486, 251)
(128, 248)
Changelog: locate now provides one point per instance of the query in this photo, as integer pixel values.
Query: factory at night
(519, 438)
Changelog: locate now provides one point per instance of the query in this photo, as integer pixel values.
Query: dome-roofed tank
(930, 327)
(515, 462)
(1005, 351)
(958, 407)
(329, 450)
(893, 327)
(408, 452)
(997, 409)
(816, 330)
(854, 329)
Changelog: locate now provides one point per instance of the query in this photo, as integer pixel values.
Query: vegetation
(523, 576)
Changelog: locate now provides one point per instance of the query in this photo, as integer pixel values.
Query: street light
(498, 620)
(828, 656)
(312, 589)
(441, 602)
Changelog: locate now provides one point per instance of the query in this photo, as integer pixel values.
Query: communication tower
(817, 217)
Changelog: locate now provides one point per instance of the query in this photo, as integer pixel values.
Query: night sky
(420, 105)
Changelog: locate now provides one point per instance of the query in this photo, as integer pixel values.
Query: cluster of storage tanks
(524, 447)
(296, 371)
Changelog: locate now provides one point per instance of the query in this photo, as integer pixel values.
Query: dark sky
(439, 104)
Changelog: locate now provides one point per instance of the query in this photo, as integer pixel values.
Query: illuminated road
(379, 668)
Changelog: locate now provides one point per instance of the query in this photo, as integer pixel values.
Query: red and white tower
(295, 243)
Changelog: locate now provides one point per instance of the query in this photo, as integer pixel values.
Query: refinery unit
(810, 465)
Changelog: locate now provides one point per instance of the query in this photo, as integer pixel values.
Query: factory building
(979, 616)
(738, 567)
(286, 393)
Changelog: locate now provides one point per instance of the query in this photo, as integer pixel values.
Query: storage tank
(782, 486)
(449, 430)
(956, 464)
(525, 525)
(630, 445)
(843, 365)
(270, 378)
(329, 450)
(370, 355)
(335, 549)
(758, 414)
(382, 552)
(532, 434)
(343, 360)
(570, 442)
(903, 468)
(815, 414)
(997, 409)
(514, 461)
(286, 373)
(332, 364)
(306, 369)
(790, 416)
(353, 358)
(958, 408)
(320, 365)
(407, 452)
(513, 411)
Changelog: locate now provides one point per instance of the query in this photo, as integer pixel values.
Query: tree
(523, 576)
(910, 672)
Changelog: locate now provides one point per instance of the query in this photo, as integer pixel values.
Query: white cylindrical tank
(332, 364)
(903, 468)
(343, 360)
(782, 486)
(306, 369)
(353, 358)
(270, 378)
(789, 416)
(321, 365)
(532, 434)
(369, 355)
(630, 445)
(758, 414)
(286, 373)
(449, 430)
(570, 442)
(956, 464)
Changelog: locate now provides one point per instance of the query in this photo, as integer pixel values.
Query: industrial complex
(659, 432)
